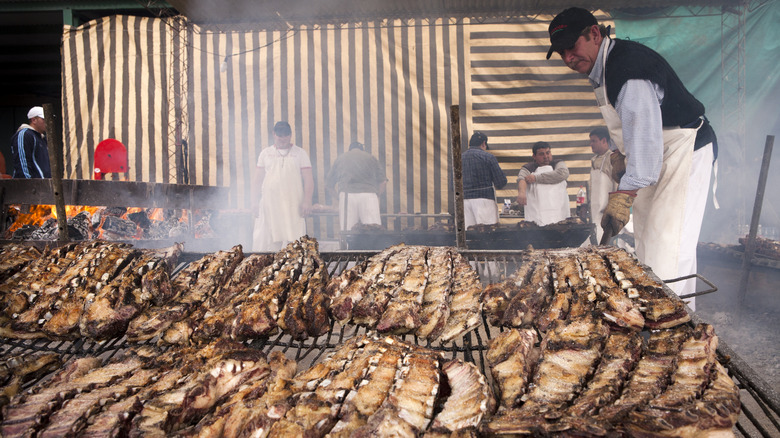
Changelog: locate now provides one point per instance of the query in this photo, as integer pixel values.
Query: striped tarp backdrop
(388, 84)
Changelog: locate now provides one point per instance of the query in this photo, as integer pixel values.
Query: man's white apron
(658, 209)
(480, 211)
(546, 203)
(358, 207)
(600, 186)
(280, 218)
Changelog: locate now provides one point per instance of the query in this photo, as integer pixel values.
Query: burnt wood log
(80, 226)
(117, 228)
(141, 218)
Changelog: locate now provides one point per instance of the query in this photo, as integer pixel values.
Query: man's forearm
(522, 187)
(554, 177)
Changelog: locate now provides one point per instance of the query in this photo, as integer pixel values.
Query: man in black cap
(660, 129)
(361, 179)
(481, 173)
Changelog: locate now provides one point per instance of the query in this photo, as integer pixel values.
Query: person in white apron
(360, 179)
(541, 187)
(286, 185)
(657, 124)
(601, 182)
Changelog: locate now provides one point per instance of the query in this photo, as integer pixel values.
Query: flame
(156, 214)
(38, 214)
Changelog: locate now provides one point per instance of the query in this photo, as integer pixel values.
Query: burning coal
(39, 222)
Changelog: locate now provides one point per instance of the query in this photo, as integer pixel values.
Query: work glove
(617, 213)
(618, 162)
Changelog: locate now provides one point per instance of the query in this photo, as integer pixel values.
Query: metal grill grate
(760, 406)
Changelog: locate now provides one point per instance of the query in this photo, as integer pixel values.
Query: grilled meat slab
(620, 354)
(25, 418)
(16, 371)
(14, 257)
(660, 311)
(409, 406)
(714, 414)
(569, 355)
(108, 312)
(23, 287)
(369, 309)
(470, 401)
(361, 403)
(342, 304)
(651, 374)
(533, 296)
(435, 307)
(67, 311)
(465, 304)
(511, 357)
(402, 312)
(72, 417)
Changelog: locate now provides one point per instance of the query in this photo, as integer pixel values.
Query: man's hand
(618, 211)
(618, 162)
(530, 179)
(305, 208)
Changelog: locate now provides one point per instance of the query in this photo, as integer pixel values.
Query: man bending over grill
(660, 128)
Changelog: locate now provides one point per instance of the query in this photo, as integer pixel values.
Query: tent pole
(750, 243)
(457, 177)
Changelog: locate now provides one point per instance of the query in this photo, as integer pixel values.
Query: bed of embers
(584, 343)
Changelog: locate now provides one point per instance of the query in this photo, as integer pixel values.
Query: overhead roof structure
(206, 12)
(31, 31)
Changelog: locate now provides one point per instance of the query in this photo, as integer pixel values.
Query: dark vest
(631, 60)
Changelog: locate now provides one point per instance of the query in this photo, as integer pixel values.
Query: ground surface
(752, 329)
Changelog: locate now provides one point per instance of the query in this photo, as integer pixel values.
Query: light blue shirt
(639, 109)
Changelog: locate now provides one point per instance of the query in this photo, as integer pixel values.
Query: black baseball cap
(477, 139)
(282, 129)
(566, 28)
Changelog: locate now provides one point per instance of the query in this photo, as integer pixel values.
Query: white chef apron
(546, 203)
(280, 218)
(480, 211)
(699, 183)
(600, 186)
(659, 209)
(358, 207)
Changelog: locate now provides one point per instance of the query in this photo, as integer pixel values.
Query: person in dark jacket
(29, 150)
(481, 174)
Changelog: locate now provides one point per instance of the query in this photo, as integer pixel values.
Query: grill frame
(760, 414)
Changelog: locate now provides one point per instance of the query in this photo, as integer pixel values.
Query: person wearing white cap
(29, 150)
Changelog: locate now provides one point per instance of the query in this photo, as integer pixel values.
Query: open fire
(39, 222)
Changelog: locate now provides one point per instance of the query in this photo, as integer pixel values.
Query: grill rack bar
(760, 403)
